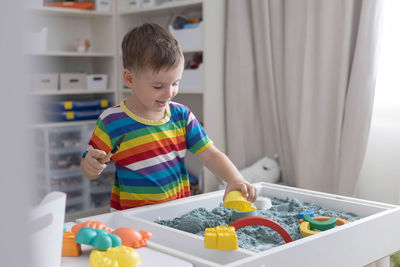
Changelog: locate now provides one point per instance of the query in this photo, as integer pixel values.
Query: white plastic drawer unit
(358, 243)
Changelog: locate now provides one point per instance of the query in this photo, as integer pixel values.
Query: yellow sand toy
(121, 256)
(235, 200)
(221, 238)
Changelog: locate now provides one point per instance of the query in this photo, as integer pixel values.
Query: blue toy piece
(98, 238)
(308, 212)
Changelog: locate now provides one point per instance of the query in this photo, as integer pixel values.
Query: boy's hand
(248, 190)
(91, 166)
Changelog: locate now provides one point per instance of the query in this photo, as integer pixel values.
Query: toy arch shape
(257, 220)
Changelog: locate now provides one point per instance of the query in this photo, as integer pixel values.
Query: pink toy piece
(133, 238)
(257, 220)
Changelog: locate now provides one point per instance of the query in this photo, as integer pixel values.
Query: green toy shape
(320, 225)
(98, 238)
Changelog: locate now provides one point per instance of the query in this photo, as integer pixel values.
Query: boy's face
(152, 91)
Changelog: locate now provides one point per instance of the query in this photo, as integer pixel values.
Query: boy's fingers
(243, 189)
(95, 165)
(97, 153)
(90, 169)
(252, 193)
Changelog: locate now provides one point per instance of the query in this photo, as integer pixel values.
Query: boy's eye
(157, 86)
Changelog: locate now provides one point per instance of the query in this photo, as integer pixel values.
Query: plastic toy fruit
(133, 238)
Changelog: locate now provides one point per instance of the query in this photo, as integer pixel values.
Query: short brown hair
(150, 45)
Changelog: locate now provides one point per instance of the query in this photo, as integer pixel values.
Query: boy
(150, 164)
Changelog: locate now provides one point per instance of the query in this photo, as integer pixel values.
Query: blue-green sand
(255, 237)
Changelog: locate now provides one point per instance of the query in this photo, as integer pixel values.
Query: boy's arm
(219, 164)
(90, 164)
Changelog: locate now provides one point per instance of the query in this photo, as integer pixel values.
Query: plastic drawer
(79, 105)
(65, 161)
(65, 137)
(73, 115)
(67, 184)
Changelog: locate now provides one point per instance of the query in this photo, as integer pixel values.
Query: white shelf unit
(67, 12)
(206, 102)
(64, 27)
(74, 92)
(105, 31)
(165, 7)
(59, 145)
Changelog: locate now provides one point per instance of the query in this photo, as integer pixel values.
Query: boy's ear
(127, 75)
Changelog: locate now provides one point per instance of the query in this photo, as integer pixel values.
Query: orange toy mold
(70, 248)
(91, 224)
(133, 238)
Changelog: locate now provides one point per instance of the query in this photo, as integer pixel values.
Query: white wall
(14, 183)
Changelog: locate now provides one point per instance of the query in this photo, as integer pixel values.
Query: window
(387, 90)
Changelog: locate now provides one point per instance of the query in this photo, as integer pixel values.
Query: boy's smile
(152, 91)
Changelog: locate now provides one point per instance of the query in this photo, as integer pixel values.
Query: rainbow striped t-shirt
(150, 164)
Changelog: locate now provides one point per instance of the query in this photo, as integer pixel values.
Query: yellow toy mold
(221, 238)
(115, 257)
(235, 200)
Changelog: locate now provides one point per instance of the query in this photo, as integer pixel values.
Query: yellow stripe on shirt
(102, 136)
(156, 197)
(151, 138)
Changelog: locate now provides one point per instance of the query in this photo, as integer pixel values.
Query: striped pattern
(150, 164)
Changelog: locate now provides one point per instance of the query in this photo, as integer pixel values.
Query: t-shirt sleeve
(100, 138)
(196, 138)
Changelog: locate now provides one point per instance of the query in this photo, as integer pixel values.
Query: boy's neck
(139, 110)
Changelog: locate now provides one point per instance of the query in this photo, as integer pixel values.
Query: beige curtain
(299, 82)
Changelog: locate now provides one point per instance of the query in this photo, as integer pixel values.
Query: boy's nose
(169, 92)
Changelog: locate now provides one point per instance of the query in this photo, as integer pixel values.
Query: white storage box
(192, 79)
(72, 81)
(96, 81)
(357, 243)
(36, 42)
(103, 5)
(127, 5)
(189, 39)
(44, 82)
